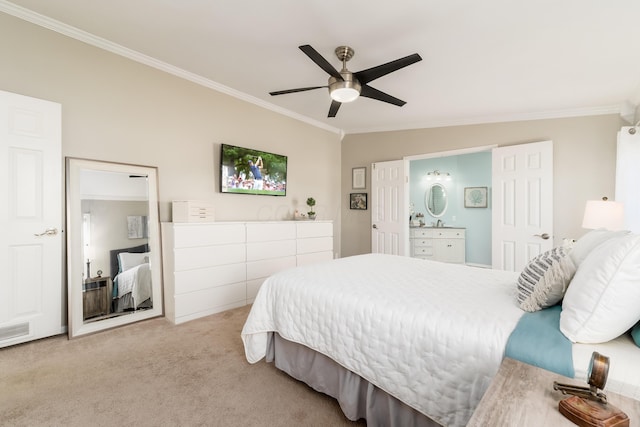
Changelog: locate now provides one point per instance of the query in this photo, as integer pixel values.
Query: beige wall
(584, 163)
(118, 110)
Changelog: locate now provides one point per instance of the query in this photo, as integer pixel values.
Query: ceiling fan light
(346, 90)
(344, 94)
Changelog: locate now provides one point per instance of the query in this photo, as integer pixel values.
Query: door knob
(374, 226)
(544, 236)
(48, 232)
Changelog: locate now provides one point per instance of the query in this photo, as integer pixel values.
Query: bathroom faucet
(439, 223)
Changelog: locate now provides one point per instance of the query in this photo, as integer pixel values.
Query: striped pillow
(545, 279)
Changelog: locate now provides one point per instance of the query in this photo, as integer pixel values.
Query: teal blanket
(537, 340)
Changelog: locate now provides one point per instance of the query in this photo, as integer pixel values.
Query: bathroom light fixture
(438, 176)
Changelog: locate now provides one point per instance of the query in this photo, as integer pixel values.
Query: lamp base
(589, 413)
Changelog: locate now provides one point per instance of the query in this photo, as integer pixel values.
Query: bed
(403, 341)
(131, 275)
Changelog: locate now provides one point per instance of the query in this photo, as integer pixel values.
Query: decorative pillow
(129, 260)
(545, 279)
(590, 241)
(635, 334)
(603, 300)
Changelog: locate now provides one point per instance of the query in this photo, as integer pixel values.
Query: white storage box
(192, 211)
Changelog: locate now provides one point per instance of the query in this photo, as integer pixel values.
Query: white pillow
(544, 280)
(128, 260)
(590, 241)
(603, 299)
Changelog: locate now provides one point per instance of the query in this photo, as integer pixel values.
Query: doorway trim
(448, 153)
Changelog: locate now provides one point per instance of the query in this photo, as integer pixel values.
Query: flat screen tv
(249, 171)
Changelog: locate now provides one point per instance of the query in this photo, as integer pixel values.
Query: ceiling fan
(345, 86)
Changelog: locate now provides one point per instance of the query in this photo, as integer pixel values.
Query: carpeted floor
(153, 373)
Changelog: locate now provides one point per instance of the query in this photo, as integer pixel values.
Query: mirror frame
(75, 260)
(428, 195)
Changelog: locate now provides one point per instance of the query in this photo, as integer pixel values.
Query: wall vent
(14, 331)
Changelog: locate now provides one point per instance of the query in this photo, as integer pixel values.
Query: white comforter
(136, 280)
(431, 334)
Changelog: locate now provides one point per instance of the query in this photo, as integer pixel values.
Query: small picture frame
(358, 201)
(475, 197)
(359, 178)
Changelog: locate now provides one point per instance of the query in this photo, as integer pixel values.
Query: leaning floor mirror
(113, 245)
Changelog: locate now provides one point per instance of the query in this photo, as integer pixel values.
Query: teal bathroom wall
(466, 170)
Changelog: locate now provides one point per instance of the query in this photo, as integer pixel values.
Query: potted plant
(311, 202)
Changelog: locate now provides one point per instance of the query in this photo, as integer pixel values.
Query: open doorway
(455, 172)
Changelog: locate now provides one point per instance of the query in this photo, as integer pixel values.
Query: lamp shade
(603, 214)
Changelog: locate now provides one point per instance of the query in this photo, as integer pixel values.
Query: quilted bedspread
(431, 334)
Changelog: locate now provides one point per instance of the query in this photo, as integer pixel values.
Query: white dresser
(438, 244)
(212, 267)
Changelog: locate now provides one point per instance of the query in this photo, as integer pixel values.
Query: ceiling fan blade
(333, 110)
(300, 89)
(369, 92)
(370, 74)
(320, 61)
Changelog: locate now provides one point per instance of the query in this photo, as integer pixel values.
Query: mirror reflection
(113, 241)
(436, 200)
(115, 210)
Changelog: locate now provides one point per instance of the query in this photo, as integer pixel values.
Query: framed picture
(475, 197)
(137, 227)
(359, 178)
(358, 201)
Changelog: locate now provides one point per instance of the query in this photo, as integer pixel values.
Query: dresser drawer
(208, 256)
(422, 242)
(314, 229)
(423, 250)
(422, 232)
(207, 278)
(448, 233)
(270, 232)
(194, 235)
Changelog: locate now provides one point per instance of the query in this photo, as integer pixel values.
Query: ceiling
(483, 61)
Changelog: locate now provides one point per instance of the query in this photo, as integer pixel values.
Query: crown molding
(542, 115)
(101, 43)
(104, 44)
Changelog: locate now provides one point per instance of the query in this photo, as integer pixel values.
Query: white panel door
(388, 222)
(30, 219)
(522, 214)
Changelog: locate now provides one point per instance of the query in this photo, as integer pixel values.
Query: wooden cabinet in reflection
(96, 297)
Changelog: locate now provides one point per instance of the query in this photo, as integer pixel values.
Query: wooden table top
(523, 395)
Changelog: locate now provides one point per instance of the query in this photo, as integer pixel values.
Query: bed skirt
(125, 303)
(358, 398)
